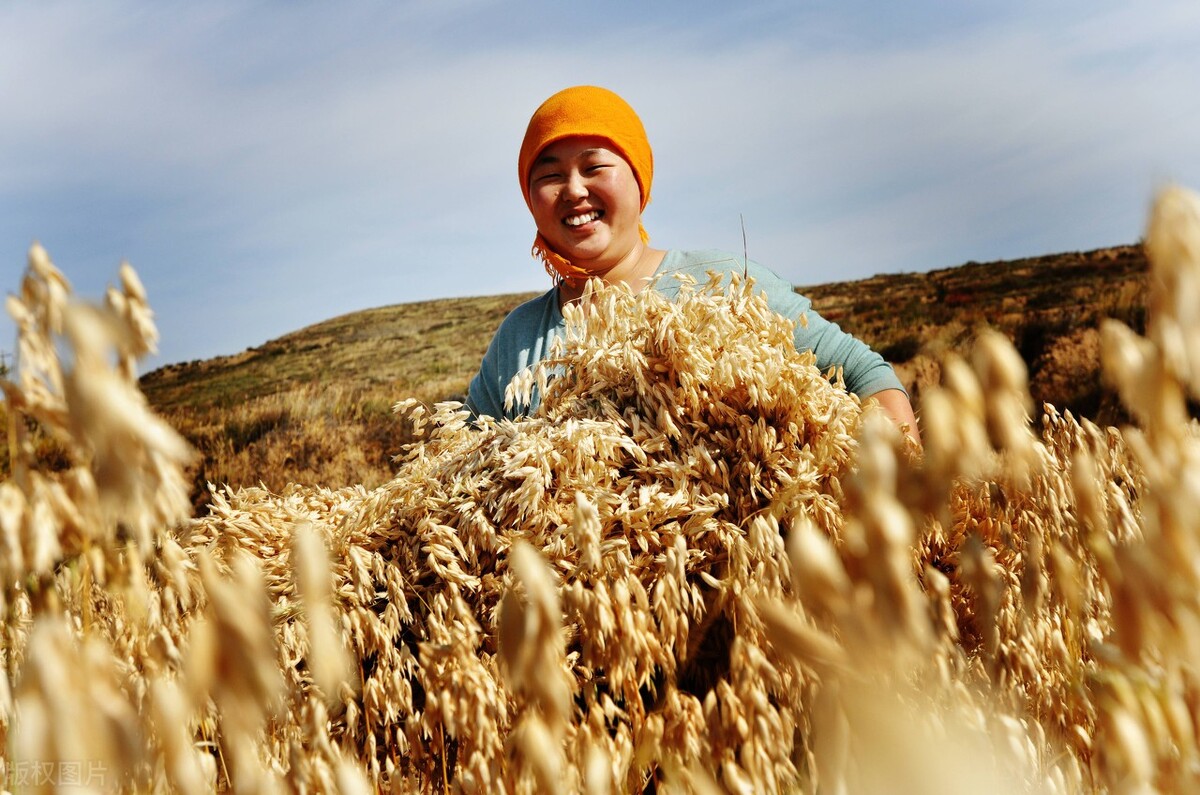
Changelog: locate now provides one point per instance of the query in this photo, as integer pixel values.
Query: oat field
(701, 567)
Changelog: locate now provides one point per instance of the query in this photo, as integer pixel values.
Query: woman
(585, 168)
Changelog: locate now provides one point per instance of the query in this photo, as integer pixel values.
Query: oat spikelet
(327, 657)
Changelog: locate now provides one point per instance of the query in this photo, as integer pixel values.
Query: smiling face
(586, 202)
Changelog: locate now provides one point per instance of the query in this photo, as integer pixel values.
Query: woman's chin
(587, 260)
(585, 251)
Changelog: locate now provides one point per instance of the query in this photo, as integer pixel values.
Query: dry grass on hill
(314, 406)
(1049, 307)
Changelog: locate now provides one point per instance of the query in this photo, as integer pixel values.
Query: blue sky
(269, 165)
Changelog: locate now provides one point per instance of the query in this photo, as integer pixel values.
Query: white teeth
(580, 220)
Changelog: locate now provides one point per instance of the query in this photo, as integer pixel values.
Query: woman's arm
(895, 404)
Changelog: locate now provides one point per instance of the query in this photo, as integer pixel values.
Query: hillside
(1047, 305)
(315, 405)
(427, 348)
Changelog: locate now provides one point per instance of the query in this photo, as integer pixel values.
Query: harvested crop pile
(651, 483)
(699, 566)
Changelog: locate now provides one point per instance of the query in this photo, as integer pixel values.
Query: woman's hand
(895, 404)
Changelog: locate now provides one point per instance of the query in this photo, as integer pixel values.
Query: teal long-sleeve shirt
(525, 336)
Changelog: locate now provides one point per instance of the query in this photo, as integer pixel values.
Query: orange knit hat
(584, 110)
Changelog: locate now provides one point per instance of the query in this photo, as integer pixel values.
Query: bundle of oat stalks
(700, 567)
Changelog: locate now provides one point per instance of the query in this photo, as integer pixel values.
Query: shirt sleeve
(484, 395)
(522, 341)
(864, 370)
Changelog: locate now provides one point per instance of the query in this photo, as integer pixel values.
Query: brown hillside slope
(1049, 306)
(314, 406)
(424, 349)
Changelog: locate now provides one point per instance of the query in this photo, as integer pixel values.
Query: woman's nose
(574, 188)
